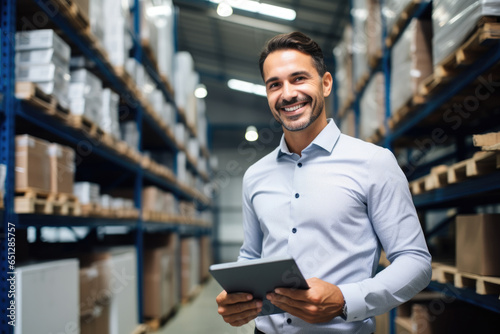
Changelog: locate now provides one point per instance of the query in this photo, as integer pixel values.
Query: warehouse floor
(200, 316)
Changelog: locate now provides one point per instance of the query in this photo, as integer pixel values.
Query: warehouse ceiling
(226, 48)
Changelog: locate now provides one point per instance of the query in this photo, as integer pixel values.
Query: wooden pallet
(374, 59)
(401, 22)
(486, 140)
(82, 123)
(90, 210)
(30, 93)
(480, 164)
(33, 200)
(438, 178)
(66, 205)
(74, 14)
(483, 285)
(467, 54)
(362, 81)
(126, 213)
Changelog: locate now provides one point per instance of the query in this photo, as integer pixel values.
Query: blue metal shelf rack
(12, 109)
(450, 195)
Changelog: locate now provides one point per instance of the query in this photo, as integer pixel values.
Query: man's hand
(238, 309)
(320, 303)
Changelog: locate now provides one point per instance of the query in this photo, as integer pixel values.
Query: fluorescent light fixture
(251, 133)
(201, 91)
(224, 9)
(247, 87)
(260, 8)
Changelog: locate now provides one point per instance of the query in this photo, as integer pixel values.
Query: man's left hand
(322, 302)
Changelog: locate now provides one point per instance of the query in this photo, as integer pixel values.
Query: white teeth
(295, 108)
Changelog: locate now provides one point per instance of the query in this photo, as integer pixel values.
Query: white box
(41, 73)
(181, 134)
(87, 107)
(105, 201)
(42, 56)
(123, 308)
(181, 167)
(88, 78)
(42, 39)
(109, 113)
(47, 296)
(87, 192)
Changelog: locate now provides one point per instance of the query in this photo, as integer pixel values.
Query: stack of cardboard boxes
(161, 294)
(43, 166)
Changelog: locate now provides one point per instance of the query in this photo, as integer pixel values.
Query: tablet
(258, 277)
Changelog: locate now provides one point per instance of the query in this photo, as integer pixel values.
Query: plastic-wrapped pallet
(130, 134)
(109, 113)
(392, 9)
(347, 126)
(359, 46)
(85, 94)
(373, 29)
(184, 83)
(117, 41)
(372, 106)
(454, 20)
(343, 69)
(43, 57)
(411, 62)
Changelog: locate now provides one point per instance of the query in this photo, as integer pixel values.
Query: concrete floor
(200, 316)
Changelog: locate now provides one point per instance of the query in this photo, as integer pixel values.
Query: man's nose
(288, 91)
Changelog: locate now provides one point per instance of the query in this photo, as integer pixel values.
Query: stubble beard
(315, 113)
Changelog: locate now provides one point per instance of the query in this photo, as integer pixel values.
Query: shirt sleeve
(252, 233)
(393, 216)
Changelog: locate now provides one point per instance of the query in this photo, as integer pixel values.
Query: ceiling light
(224, 9)
(247, 87)
(201, 91)
(251, 133)
(260, 8)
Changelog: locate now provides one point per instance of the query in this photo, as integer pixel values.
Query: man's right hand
(238, 309)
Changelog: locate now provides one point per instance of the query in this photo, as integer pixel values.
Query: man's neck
(297, 141)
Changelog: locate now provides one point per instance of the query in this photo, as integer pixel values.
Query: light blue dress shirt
(333, 209)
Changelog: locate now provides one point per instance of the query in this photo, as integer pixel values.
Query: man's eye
(273, 85)
(299, 78)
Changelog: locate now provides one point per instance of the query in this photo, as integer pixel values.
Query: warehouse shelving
(477, 190)
(132, 169)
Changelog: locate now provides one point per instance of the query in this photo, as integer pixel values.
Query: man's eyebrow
(271, 79)
(294, 74)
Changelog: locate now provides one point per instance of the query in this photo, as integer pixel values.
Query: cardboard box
(206, 257)
(42, 56)
(88, 290)
(98, 323)
(62, 168)
(32, 163)
(190, 266)
(160, 275)
(47, 297)
(101, 261)
(477, 246)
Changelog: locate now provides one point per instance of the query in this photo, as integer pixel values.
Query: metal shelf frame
(12, 109)
(449, 195)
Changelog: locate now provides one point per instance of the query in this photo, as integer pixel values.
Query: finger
(241, 318)
(297, 294)
(225, 298)
(282, 299)
(231, 309)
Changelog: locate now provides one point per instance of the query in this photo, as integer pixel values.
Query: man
(331, 202)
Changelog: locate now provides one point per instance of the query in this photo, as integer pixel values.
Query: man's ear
(327, 83)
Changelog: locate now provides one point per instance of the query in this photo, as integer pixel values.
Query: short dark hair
(297, 41)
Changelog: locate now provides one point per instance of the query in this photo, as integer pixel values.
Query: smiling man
(330, 201)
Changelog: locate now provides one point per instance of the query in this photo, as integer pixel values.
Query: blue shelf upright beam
(7, 129)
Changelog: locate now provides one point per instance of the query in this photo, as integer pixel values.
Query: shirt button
(299, 164)
(289, 321)
(297, 195)
(294, 230)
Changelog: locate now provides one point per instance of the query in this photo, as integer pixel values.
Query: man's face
(295, 91)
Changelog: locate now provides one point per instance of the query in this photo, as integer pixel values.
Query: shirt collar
(326, 139)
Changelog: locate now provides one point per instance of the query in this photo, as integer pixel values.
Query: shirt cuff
(355, 301)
